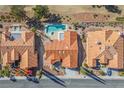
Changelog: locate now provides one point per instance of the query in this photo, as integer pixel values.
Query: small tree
(102, 72)
(83, 37)
(82, 71)
(41, 11)
(33, 29)
(18, 12)
(85, 65)
(39, 74)
(3, 17)
(5, 71)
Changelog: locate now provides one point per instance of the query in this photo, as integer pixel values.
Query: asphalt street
(65, 83)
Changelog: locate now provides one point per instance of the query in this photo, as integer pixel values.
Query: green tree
(33, 29)
(85, 65)
(41, 11)
(18, 12)
(39, 74)
(5, 72)
(102, 72)
(82, 71)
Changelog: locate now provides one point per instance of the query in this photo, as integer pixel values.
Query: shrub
(113, 9)
(2, 17)
(85, 65)
(33, 29)
(39, 74)
(9, 20)
(67, 16)
(83, 72)
(102, 72)
(8, 17)
(1, 73)
(119, 18)
(83, 37)
(121, 73)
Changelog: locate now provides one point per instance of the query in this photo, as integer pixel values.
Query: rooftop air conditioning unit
(121, 34)
(98, 42)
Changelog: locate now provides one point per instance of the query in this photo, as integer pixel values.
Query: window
(97, 63)
(61, 36)
(16, 28)
(98, 42)
(16, 35)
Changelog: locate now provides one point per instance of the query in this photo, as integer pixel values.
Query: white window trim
(61, 32)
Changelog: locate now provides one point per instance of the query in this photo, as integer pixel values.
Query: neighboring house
(62, 52)
(105, 47)
(18, 47)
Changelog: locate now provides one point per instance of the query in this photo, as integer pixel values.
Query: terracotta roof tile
(23, 47)
(63, 49)
(110, 46)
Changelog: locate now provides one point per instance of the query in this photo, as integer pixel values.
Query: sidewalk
(87, 77)
(70, 77)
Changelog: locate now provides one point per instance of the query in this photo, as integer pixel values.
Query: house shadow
(93, 76)
(81, 52)
(40, 49)
(54, 78)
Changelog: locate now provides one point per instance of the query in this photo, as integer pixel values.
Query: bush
(1, 73)
(6, 71)
(8, 17)
(83, 37)
(39, 74)
(121, 73)
(33, 29)
(103, 66)
(83, 72)
(102, 72)
(2, 17)
(113, 9)
(120, 19)
(85, 65)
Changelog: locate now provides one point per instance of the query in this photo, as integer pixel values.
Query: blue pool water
(50, 29)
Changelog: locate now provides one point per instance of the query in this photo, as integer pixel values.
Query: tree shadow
(53, 18)
(54, 78)
(34, 22)
(40, 49)
(93, 76)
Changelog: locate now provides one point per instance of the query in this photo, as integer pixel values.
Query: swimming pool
(51, 28)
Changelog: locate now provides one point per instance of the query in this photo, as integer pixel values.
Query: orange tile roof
(106, 45)
(65, 50)
(23, 47)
